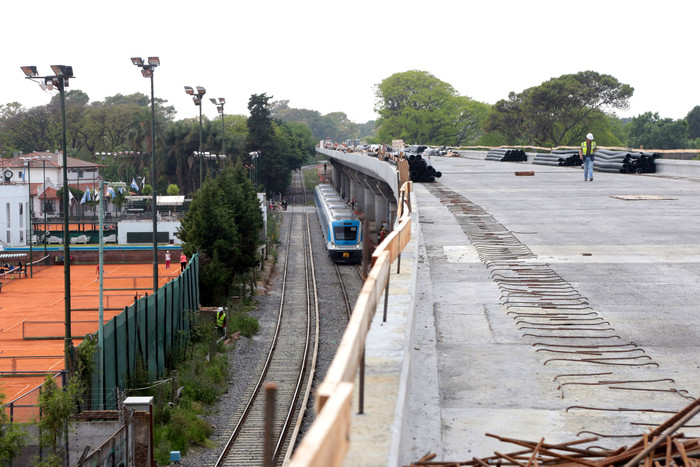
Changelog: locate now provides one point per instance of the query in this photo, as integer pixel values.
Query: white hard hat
(589, 136)
(221, 309)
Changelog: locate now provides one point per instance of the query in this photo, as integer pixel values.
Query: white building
(13, 215)
(38, 176)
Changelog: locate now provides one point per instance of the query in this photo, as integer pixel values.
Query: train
(341, 228)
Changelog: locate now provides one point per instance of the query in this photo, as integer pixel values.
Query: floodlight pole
(153, 189)
(201, 174)
(60, 80)
(68, 339)
(220, 107)
(147, 72)
(197, 99)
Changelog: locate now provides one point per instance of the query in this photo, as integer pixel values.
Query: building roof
(50, 193)
(53, 159)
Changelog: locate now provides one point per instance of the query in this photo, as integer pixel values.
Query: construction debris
(661, 447)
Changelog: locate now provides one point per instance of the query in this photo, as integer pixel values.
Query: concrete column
(381, 210)
(358, 194)
(343, 186)
(368, 204)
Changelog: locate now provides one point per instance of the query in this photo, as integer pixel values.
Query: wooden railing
(328, 439)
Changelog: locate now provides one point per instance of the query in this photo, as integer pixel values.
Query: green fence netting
(146, 333)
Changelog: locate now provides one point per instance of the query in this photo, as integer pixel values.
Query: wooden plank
(328, 440)
(352, 345)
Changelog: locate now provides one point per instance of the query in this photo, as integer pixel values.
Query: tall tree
(693, 119)
(650, 131)
(223, 225)
(415, 106)
(272, 168)
(559, 110)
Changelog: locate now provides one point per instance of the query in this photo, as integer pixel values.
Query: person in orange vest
(183, 262)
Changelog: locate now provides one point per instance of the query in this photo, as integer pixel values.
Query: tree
(274, 172)
(650, 131)
(560, 110)
(415, 106)
(57, 406)
(469, 120)
(223, 225)
(12, 437)
(693, 119)
(173, 190)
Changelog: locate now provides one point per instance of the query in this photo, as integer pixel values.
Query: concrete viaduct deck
(529, 307)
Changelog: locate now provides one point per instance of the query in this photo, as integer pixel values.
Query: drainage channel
(565, 330)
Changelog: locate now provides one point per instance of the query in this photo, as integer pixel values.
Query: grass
(203, 377)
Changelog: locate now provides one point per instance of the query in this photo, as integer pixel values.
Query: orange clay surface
(41, 299)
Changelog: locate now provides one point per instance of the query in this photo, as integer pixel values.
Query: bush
(185, 429)
(242, 322)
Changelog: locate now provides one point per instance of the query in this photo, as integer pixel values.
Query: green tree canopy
(282, 146)
(693, 119)
(223, 225)
(419, 108)
(650, 131)
(559, 111)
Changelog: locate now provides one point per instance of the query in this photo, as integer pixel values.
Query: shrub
(242, 322)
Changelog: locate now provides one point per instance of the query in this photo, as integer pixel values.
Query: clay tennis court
(32, 314)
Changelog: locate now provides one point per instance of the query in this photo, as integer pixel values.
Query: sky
(329, 55)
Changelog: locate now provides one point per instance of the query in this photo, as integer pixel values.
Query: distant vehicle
(341, 228)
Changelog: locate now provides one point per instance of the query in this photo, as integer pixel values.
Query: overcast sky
(328, 55)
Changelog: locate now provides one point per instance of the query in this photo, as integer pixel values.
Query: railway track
(289, 364)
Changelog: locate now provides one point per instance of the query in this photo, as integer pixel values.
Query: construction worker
(221, 321)
(586, 153)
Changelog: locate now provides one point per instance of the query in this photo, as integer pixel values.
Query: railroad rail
(288, 364)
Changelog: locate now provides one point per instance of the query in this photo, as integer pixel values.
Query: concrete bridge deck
(534, 306)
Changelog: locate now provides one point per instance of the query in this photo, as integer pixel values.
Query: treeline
(421, 109)
(120, 127)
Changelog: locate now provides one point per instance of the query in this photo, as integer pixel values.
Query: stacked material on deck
(624, 162)
(506, 155)
(421, 170)
(563, 157)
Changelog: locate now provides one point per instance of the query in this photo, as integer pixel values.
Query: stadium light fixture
(220, 107)
(197, 99)
(147, 72)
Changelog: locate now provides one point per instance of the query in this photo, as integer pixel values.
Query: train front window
(345, 233)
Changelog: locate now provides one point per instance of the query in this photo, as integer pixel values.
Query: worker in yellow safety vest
(586, 153)
(221, 321)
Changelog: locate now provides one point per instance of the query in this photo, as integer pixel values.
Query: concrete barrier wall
(669, 167)
(368, 165)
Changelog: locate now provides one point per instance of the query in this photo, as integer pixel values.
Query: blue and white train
(341, 228)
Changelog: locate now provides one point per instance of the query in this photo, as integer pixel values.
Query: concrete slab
(634, 261)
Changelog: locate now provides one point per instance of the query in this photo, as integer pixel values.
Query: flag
(121, 189)
(89, 195)
(97, 194)
(134, 185)
(84, 198)
(110, 192)
(71, 198)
